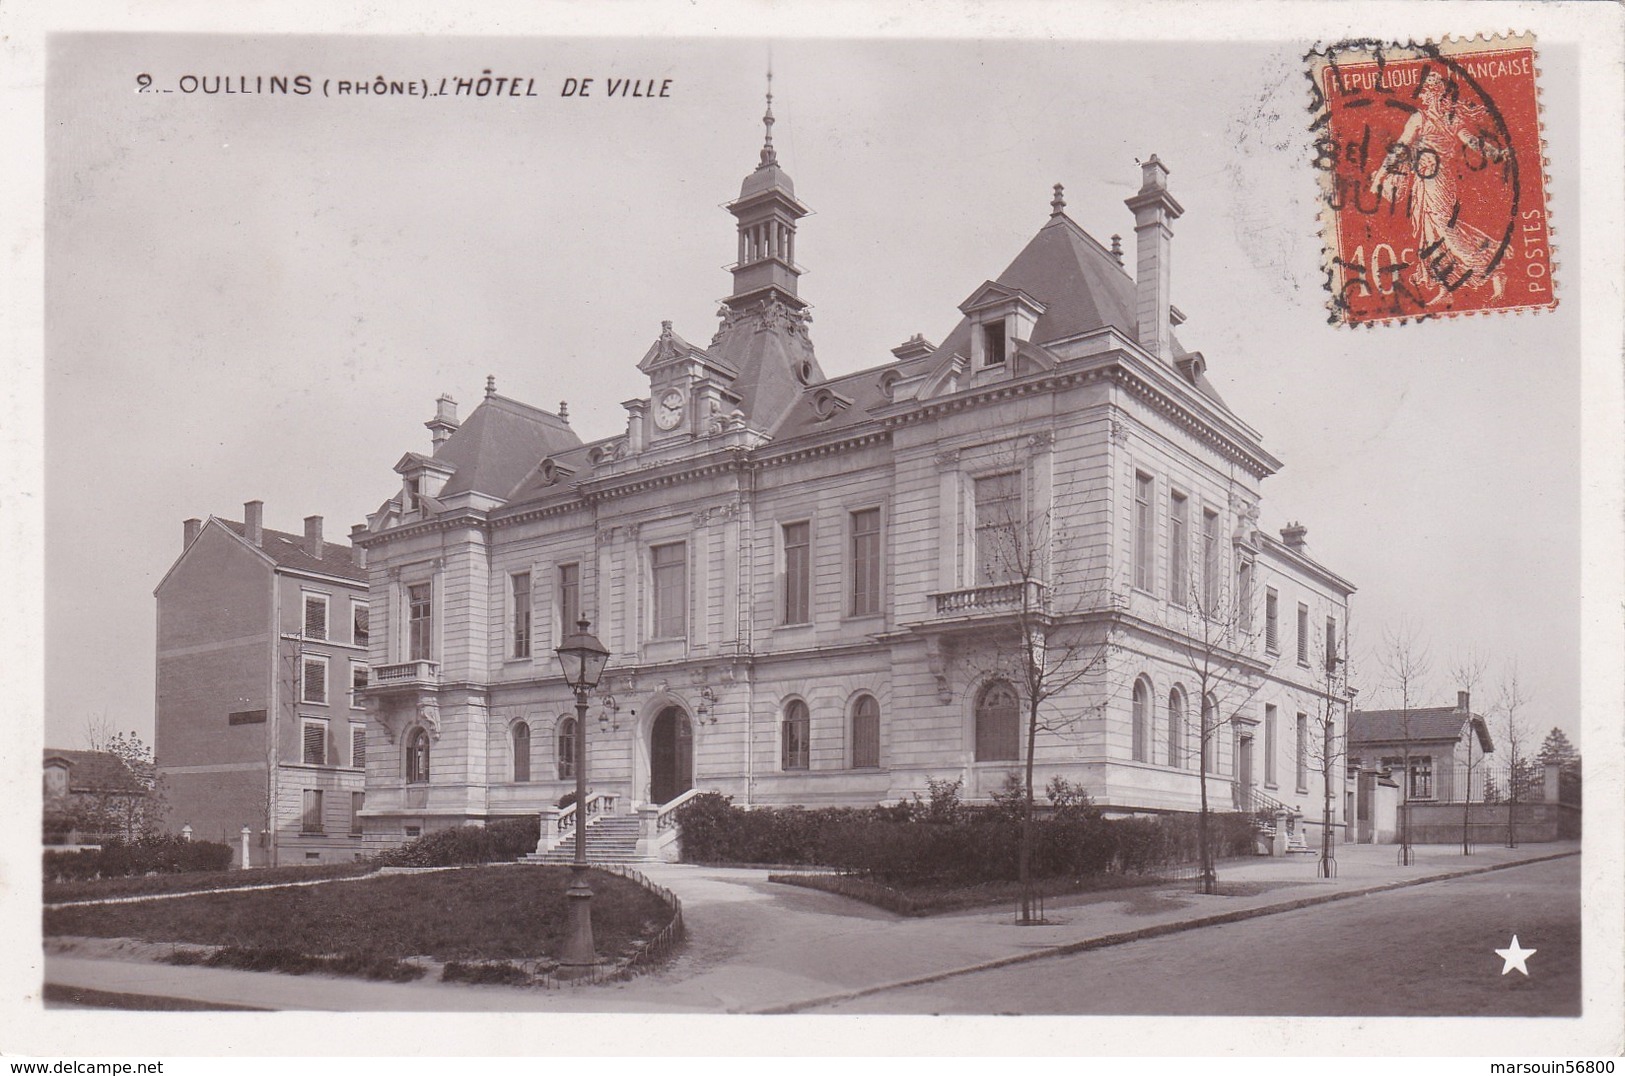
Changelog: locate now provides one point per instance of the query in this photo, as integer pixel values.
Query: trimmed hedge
(163, 854)
(459, 845)
(982, 846)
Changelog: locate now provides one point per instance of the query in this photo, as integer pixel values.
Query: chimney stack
(190, 530)
(444, 422)
(313, 536)
(1154, 210)
(1294, 534)
(254, 522)
(358, 553)
(1464, 702)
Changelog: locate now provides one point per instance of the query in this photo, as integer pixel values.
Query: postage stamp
(1432, 179)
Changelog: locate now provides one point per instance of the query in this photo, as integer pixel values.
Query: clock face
(669, 410)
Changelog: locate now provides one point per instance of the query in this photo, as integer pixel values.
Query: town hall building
(828, 590)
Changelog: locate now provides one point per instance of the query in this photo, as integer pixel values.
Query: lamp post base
(579, 956)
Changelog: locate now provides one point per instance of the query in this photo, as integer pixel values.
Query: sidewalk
(758, 946)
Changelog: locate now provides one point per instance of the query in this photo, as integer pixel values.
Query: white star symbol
(1515, 957)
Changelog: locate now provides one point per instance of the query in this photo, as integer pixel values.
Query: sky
(252, 296)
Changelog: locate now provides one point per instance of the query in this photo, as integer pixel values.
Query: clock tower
(690, 392)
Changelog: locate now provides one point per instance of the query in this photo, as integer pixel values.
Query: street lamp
(583, 658)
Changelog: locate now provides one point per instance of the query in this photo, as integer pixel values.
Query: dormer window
(993, 343)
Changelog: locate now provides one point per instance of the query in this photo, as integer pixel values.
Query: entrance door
(671, 756)
(1244, 770)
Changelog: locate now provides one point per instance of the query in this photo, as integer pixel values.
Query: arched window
(1142, 721)
(865, 733)
(1176, 727)
(998, 734)
(417, 757)
(1210, 732)
(521, 751)
(795, 736)
(567, 748)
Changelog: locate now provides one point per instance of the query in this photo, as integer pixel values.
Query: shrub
(460, 845)
(161, 854)
(501, 972)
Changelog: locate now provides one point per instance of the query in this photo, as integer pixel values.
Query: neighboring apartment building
(262, 645)
(813, 587)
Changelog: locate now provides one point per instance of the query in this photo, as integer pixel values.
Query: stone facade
(827, 589)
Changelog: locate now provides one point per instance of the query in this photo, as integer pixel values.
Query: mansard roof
(288, 551)
(500, 444)
(767, 343)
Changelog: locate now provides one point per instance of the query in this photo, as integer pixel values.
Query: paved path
(757, 946)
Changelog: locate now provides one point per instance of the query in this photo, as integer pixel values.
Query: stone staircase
(610, 839)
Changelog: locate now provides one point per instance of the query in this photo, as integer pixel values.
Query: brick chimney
(313, 536)
(444, 423)
(254, 521)
(358, 553)
(1464, 702)
(1154, 210)
(189, 531)
(1293, 534)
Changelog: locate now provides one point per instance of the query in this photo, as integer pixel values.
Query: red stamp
(1432, 179)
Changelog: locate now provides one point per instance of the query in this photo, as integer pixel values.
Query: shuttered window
(312, 820)
(313, 684)
(998, 732)
(358, 746)
(359, 621)
(315, 616)
(314, 752)
(865, 733)
(669, 567)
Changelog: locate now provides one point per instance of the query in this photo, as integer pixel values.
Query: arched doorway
(671, 755)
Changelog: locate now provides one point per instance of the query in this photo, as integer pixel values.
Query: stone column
(245, 848)
(1279, 848)
(550, 827)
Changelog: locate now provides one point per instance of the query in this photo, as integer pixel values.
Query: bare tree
(1517, 738)
(1468, 671)
(1038, 570)
(1328, 750)
(1217, 639)
(1406, 663)
(97, 731)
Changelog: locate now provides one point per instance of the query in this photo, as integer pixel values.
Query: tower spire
(770, 156)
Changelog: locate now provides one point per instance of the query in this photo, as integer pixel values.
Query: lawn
(934, 898)
(148, 885)
(477, 913)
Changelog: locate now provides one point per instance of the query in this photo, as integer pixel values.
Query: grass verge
(473, 914)
(935, 898)
(157, 884)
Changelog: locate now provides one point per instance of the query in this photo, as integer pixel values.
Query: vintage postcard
(589, 523)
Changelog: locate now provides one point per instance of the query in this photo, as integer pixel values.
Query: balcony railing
(1024, 594)
(406, 674)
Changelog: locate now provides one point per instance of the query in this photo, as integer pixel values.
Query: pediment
(992, 293)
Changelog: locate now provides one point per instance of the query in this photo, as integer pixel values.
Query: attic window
(888, 383)
(804, 372)
(414, 495)
(826, 402)
(993, 344)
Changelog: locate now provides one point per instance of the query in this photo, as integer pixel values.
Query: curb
(1125, 936)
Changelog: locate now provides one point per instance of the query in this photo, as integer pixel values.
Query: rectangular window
(866, 562)
(1302, 753)
(1331, 645)
(998, 508)
(312, 821)
(797, 539)
(358, 622)
(1144, 534)
(1303, 634)
(669, 567)
(569, 598)
(1272, 621)
(314, 747)
(1244, 595)
(993, 344)
(1179, 551)
(313, 681)
(520, 586)
(358, 683)
(358, 746)
(1271, 746)
(1210, 563)
(315, 616)
(420, 620)
(357, 801)
(1421, 777)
